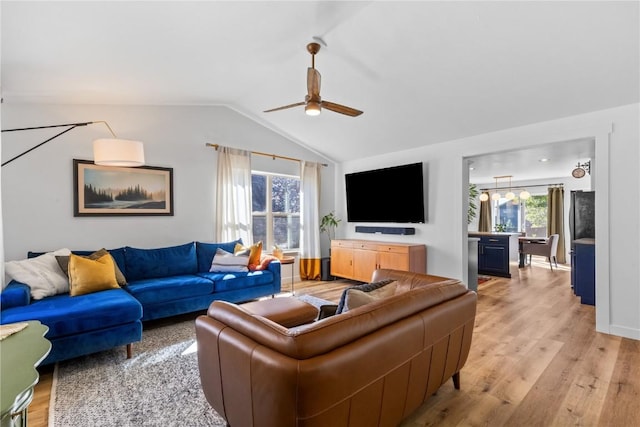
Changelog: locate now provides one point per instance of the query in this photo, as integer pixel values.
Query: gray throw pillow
(366, 287)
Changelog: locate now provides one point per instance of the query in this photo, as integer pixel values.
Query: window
(533, 210)
(276, 210)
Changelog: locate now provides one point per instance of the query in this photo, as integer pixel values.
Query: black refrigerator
(582, 226)
(582, 215)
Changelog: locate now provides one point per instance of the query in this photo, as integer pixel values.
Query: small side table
(291, 261)
(20, 354)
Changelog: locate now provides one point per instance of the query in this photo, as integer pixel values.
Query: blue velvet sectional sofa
(162, 282)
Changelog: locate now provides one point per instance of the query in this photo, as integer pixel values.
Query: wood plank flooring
(535, 360)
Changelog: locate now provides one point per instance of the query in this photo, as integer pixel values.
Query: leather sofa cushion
(160, 262)
(408, 280)
(336, 331)
(163, 289)
(66, 315)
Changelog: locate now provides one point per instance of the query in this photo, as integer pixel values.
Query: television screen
(394, 194)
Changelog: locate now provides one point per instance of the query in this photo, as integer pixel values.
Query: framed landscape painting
(109, 190)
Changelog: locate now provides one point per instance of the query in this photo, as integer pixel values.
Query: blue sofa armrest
(16, 294)
(275, 267)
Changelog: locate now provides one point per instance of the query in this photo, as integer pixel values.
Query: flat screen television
(394, 194)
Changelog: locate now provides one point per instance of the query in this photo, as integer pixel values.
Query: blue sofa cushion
(206, 251)
(16, 294)
(66, 315)
(162, 262)
(163, 289)
(233, 281)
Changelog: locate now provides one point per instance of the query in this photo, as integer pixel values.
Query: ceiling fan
(313, 104)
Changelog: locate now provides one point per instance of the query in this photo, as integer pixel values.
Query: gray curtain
(555, 219)
(484, 223)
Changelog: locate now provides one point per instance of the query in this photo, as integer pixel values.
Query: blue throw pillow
(206, 251)
(161, 262)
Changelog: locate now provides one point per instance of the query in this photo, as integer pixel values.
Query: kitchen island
(496, 252)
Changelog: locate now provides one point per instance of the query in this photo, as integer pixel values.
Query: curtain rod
(521, 186)
(273, 156)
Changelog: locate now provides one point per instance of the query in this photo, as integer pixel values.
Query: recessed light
(543, 160)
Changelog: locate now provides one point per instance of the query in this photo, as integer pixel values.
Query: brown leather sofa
(373, 365)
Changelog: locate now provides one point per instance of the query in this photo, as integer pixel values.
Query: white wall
(37, 190)
(617, 204)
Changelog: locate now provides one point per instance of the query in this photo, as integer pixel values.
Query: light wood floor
(535, 360)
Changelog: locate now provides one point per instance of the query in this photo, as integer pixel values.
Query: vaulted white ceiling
(422, 72)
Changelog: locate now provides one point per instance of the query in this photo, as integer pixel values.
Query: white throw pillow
(42, 274)
(224, 262)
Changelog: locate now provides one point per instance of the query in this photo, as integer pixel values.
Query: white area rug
(159, 386)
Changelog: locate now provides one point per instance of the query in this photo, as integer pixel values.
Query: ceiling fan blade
(313, 83)
(341, 109)
(297, 104)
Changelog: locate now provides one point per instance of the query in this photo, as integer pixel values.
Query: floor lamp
(106, 151)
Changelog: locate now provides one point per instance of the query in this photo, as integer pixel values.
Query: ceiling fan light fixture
(312, 108)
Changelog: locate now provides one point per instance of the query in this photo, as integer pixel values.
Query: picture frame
(121, 191)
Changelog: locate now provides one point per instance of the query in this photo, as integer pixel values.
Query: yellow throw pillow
(87, 275)
(63, 262)
(255, 252)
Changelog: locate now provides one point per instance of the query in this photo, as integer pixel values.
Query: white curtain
(233, 196)
(310, 257)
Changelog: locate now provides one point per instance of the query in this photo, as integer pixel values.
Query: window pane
(508, 214)
(258, 193)
(286, 194)
(259, 228)
(286, 232)
(536, 216)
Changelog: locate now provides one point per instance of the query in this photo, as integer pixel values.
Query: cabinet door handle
(494, 240)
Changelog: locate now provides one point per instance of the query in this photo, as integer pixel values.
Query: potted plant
(328, 223)
(473, 193)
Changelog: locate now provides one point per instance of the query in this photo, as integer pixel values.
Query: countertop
(490, 233)
(585, 241)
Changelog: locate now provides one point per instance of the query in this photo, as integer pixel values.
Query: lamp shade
(312, 108)
(495, 196)
(484, 197)
(510, 195)
(524, 195)
(118, 152)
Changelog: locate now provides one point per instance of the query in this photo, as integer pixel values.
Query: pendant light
(510, 195)
(496, 196)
